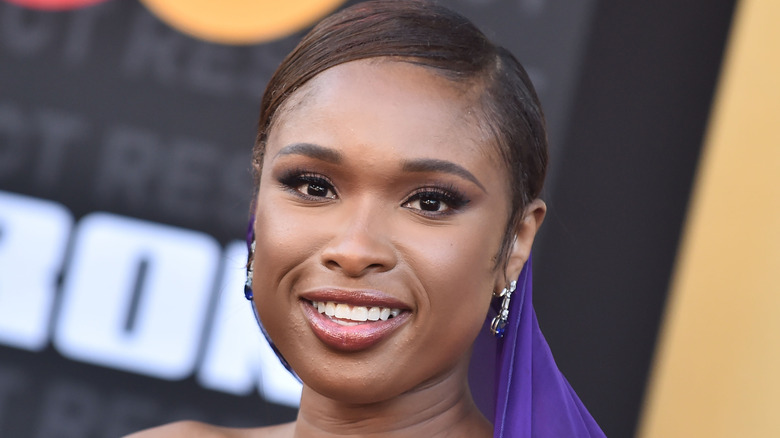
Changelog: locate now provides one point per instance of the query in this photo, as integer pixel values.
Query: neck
(439, 408)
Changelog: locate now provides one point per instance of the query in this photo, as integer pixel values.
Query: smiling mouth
(348, 315)
(353, 327)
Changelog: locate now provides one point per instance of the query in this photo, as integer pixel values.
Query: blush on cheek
(283, 241)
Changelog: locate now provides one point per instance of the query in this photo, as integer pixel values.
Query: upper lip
(355, 297)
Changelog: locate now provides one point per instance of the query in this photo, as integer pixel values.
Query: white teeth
(355, 313)
(359, 313)
(343, 311)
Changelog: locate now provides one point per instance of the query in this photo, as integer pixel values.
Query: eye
(428, 203)
(318, 189)
(309, 185)
(435, 201)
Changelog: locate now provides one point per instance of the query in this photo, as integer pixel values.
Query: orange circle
(54, 5)
(240, 21)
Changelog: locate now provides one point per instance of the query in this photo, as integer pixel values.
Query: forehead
(395, 103)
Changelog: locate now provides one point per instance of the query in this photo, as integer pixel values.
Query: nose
(361, 244)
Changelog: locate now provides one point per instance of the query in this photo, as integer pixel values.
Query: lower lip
(350, 337)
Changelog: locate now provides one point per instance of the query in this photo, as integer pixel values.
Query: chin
(353, 389)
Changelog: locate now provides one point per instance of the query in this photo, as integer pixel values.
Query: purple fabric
(533, 399)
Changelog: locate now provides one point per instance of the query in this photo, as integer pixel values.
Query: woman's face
(378, 195)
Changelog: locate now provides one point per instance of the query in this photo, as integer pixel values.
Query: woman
(399, 160)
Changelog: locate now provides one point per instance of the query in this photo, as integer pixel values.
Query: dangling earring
(498, 325)
(250, 267)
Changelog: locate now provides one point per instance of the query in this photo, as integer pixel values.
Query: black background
(627, 87)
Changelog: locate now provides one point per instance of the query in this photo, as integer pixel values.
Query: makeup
(350, 320)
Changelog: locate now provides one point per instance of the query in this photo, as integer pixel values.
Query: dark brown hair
(431, 36)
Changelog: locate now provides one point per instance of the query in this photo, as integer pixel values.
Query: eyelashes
(436, 200)
(431, 201)
(308, 184)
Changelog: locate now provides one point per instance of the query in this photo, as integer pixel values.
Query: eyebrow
(418, 165)
(433, 165)
(313, 151)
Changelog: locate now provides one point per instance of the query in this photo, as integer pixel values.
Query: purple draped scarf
(533, 399)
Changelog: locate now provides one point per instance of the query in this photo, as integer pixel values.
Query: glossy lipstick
(356, 335)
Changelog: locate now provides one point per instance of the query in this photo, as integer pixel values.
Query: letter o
(168, 310)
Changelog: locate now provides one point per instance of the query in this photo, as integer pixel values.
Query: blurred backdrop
(125, 136)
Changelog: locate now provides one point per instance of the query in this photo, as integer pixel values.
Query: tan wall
(717, 370)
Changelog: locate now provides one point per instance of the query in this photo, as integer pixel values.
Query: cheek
(459, 262)
(283, 238)
(458, 274)
(272, 234)
(280, 247)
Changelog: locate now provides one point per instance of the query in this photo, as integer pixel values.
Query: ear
(525, 232)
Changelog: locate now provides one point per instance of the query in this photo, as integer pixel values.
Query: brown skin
(367, 227)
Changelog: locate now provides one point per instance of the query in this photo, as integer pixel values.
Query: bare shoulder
(194, 429)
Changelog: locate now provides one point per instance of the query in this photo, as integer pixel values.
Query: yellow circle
(240, 21)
